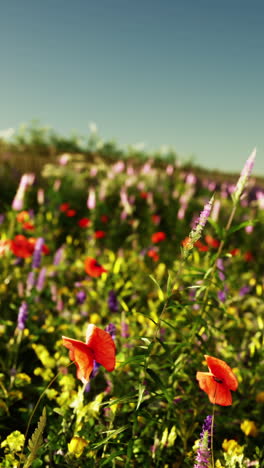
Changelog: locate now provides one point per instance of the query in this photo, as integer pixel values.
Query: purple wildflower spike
(242, 181)
(37, 253)
(204, 453)
(22, 316)
(196, 232)
(112, 301)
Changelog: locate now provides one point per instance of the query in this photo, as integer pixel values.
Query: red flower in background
(99, 234)
(28, 226)
(214, 243)
(93, 268)
(144, 195)
(234, 252)
(70, 213)
(201, 247)
(22, 216)
(248, 256)
(153, 254)
(84, 222)
(104, 219)
(21, 246)
(99, 347)
(158, 237)
(155, 218)
(218, 382)
(64, 207)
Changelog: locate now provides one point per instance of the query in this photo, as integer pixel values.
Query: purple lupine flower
(215, 210)
(124, 329)
(41, 279)
(30, 281)
(221, 268)
(58, 256)
(111, 329)
(244, 290)
(91, 200)
(196, 232)
(242, 181)
(25, 181)
(20, 289)
(80, 297)
(204, 453)
(36, 260)
(112, 301)
(22, 316)
(59, 305)
(95, 370)
(54, 292)
(222, 295)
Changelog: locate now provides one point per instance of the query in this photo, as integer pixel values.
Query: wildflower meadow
(132, 313)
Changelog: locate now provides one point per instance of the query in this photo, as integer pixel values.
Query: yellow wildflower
(249, 428)
(77, 446)
(232, 447)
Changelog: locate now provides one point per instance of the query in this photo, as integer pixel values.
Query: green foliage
(36, 440)
(169, 313)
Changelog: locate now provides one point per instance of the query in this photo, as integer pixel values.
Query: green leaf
(160, 292)
(241, 226)
(112, 434)
(36, 440)
(141, 389)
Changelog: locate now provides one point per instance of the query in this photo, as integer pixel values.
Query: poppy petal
(218, 393)
(222, 371)
(83, 357)
(102, 345)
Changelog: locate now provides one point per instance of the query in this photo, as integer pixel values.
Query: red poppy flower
(93, 268)
(218, 382)
(64, 207)
(144, 195)
(201, 247)
(22, 216)
(158, 237)
(153, 254)
(99, 234)
(214, 243)
(155, 219)
(70, 213)
(248, 256)
(235, 252)
(104, 219)
(99, 347)
(28, 226)
(84, 222)
(21, 246)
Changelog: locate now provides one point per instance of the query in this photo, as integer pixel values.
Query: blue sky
(188, 74)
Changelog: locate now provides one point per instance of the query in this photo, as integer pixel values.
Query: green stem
(212, 437)
(218, 253)
(35, 409)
